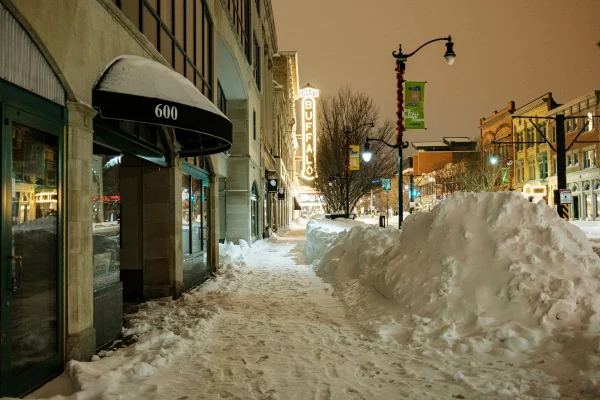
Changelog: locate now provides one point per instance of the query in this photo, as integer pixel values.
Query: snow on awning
(138, 89)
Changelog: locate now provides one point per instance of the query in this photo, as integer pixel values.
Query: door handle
(18, 273)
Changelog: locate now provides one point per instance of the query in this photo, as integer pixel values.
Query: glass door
(31, 303)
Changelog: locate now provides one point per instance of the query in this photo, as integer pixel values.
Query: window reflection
(34, 248)
(106, 216)
(194, 197)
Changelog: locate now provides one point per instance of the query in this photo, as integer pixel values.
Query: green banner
(414, 97)
(505, 176)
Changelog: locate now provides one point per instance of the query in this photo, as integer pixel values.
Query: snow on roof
(430, 144)
(458, 139)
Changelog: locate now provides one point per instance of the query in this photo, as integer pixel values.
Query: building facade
(132, 144)
(430, 174)
(531, 151)
(581, 144)
(497, 140)
(281, 145)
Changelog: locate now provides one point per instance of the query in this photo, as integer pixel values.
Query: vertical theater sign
(309, 94)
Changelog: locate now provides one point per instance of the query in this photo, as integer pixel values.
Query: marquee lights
(309, 132)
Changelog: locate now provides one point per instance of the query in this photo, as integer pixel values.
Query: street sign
(565, 196)
(413, 204)
(386, 184)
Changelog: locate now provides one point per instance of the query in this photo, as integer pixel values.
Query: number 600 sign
(166, 111)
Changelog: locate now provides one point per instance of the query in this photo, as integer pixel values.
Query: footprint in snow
(354, 394)
(263, 358)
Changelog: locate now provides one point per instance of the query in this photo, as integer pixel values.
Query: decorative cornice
(533, 104)
(561, 109)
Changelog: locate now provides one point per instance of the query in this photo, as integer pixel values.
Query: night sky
(506, 50)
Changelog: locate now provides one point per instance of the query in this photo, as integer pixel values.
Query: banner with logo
(505, 176)
(354, 157)
(414, 97)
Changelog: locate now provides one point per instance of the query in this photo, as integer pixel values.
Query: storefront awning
(297, 205)
(138, 89)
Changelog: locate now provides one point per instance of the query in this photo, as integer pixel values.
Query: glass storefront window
(195, 215)
(106, 216)
(185, 213)
(575, 208)
(588, 206)
(197, 200)
(33, 318)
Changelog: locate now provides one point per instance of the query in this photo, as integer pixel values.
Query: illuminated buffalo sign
(309, 132)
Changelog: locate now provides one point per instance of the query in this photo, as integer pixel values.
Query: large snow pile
(480, 273)
(320, 233)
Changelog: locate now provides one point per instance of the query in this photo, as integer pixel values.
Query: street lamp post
(347, 132)
(401, 58)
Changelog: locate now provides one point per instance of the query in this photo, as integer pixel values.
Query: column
(214, 224)
(81, 335)
(162, 215)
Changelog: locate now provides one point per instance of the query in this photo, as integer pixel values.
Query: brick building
(530, 153)
(427, 166)
(583, 174)
(497, 139)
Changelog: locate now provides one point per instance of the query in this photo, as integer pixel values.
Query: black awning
(138, 89)
(296, 204)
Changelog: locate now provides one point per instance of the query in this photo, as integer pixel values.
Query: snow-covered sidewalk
(268, 328)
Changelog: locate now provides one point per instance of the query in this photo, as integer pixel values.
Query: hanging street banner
(386, 184)
(505, 176)
(354, 151)
(414, 97)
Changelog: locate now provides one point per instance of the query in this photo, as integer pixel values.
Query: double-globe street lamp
(348, 132)
(401, 58)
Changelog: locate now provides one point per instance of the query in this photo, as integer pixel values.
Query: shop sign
(272, 186)
(565, 196)
(281, 194)
(309, 132)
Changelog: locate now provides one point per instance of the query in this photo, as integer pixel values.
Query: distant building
(582, 136)
(531, 152)
(430, 184)
(497, 139)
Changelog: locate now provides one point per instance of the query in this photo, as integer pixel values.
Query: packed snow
(488, 276)
(486, 296)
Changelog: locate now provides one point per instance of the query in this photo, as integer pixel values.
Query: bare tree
(477, 175)
(348, 109)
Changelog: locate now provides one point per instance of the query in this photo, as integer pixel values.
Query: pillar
(161, 217)
(214, 224)
(81, 335)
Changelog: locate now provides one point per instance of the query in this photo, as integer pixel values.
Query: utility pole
(412, 192)
(561, 162)
(387, 208)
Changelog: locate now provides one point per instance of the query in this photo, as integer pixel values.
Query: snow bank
(590, 228)
(480, 273)
(320, 233)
